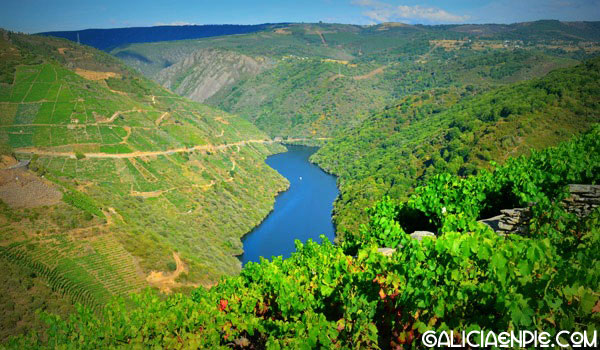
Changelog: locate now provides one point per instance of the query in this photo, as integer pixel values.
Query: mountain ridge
(110, 38)
(97, 37)
(324, 77)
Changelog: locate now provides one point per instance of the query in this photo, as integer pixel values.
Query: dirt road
(164, 281)
(208, 147)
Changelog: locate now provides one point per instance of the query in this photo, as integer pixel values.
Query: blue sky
(32, 16)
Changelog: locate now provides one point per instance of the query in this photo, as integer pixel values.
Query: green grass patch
(44, 114)
(83, 202)
(38, 92)
(26, 113)
(115, 149)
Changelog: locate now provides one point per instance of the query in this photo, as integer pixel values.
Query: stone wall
(583, 199)
(514, 221)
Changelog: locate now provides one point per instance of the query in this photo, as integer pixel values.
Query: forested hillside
(318, 78)
(458, 131)
(127, 184)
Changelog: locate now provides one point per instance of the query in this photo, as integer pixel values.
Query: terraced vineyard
(88, 272)
(143, 173)
(109, 183)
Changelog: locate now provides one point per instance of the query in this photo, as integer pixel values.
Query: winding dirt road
(41, 152)
(136, 154)
(165, 281)
(371, 74)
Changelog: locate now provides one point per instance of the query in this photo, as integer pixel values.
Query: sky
(32, 16)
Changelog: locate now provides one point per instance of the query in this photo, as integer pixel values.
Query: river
(301, 212)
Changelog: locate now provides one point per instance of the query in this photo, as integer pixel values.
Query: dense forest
(458, 131)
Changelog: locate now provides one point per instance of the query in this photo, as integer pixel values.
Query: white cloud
(176, 23)
(384, 12)
(511, 11)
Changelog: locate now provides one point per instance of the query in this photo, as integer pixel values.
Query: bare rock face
(204, 72)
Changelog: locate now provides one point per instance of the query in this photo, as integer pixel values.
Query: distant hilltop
(108, 39)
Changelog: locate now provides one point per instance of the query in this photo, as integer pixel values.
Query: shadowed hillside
(107, 39)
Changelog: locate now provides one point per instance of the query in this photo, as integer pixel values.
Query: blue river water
(301, 212)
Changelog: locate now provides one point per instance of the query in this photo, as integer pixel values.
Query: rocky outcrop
(205, 72)
(583, 199)
(514, 220)
(386, 251)
(419, 235)
(511, 221)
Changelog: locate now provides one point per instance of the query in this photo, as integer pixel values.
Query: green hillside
(551, 30)
(313, 79)
(467, 278)
(458, 131)
(125, 178)
(111, 184)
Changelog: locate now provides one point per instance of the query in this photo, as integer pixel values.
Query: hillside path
(371, 74)
(164, 281)
(137, 154)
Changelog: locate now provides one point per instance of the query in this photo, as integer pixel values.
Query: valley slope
(454, 130)
(123, 184)
(128, 185)
(319, 78)
(399, 102)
